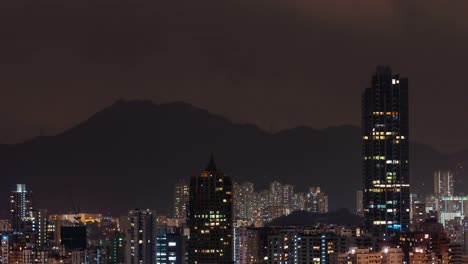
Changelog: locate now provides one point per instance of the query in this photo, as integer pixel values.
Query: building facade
(317, 201)
(210, 217)
(140, 242)
(181, 199)
(21, 208)
(41, 223)
(244, 202)
(170, 246)
(385, 153)
(443, 183)
(360, 203)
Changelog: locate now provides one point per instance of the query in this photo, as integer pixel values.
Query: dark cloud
(277, 63)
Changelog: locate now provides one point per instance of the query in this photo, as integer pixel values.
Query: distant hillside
(131, 153)
(302, 218)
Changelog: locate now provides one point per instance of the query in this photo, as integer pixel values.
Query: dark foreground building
(210, 217)
(73, 237)
(385, 153)
(140, 241)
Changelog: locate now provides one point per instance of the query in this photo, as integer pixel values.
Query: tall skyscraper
(21, 209)
(210, 217)
(385, 153)
(140, 237)
(443, 183)
(181, 199)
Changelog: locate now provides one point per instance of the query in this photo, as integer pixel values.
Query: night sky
(275, 63)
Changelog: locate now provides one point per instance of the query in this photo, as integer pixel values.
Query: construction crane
(75, 211)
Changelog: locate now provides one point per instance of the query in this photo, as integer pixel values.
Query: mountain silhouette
(131, 153)
(342, 217)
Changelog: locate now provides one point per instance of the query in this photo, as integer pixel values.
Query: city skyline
(153, 237)
(233, 132)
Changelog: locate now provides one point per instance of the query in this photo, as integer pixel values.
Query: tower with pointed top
(210, 217)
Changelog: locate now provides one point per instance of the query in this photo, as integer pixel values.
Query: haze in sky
(275, 63)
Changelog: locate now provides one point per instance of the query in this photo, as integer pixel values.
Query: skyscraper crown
(383, 70)
(211, 164)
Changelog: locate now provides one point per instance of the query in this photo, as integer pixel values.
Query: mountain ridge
(138, 149)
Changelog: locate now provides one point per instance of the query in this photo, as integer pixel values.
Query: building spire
(211, 164)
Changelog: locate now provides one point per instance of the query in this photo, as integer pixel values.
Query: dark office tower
(181, 198)
(21, 209)
(385, 153)
(40, 226)
(140, 237)
(73, 237)
(210, 217)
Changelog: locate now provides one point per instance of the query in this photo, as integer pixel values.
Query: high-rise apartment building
(360, 203)
(317, 201)
(419, 213)
(21, 208)
(5, 249)
(5, 225)
(140, 237)
(288, 197)
(210, 217)
(443, 183)
(170, 246)
(181, 199)
(40, 225)
(258, 208)
(244, 202)
(276, 194)
(385, 153)
(299, 201)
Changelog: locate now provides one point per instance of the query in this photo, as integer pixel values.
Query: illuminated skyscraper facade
(181, 199)
(21, 209)
(210, 217)
(443, 183)
(244, 202)
(140, 237)
(385, 153)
